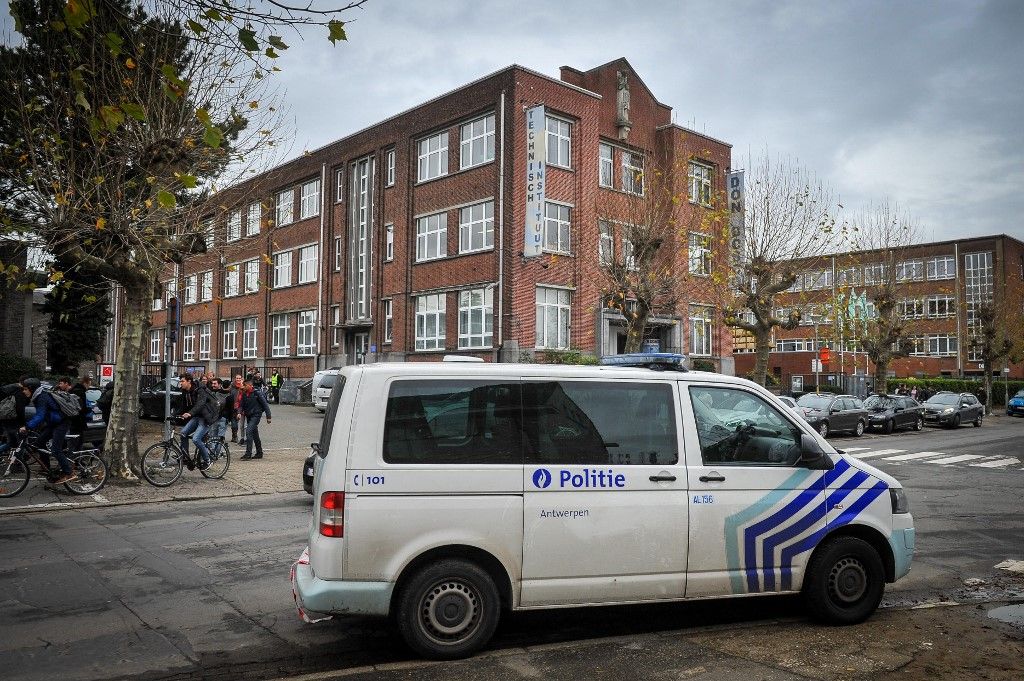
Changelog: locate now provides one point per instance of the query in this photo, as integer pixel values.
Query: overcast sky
(918, 102)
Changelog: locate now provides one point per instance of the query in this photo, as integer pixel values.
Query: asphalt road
(184, 589)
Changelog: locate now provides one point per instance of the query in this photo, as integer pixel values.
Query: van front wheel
(448, 610)
(845, 581)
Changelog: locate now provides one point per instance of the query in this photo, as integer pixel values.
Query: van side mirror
(812, 456)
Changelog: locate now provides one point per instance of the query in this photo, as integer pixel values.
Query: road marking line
(958, 459)
(99, 498)
(880, 452)
(909, 457)
(849, 450)
(998, 463)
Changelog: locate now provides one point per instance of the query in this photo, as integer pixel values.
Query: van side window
(327, 428)
(453, 421)
(592, 422)
(738, 427)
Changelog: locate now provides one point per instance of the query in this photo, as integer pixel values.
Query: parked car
(789, 402)
(952, 409)
(833, 413)
(892, 412)
(1016, 404)
(151, 400)
(323, 383)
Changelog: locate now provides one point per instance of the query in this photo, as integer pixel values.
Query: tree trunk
(988, 389)
(762, 349)
(122, 444)
(635, 333)
(882, 378)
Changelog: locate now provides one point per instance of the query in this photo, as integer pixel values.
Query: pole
(817, 362)
(171, 349)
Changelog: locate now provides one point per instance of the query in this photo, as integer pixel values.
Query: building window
(941, 306)
(191, 288)
(700, 183)
(170, 291)
(910, 308)
(606, 165)
(433, 157)
(817, 280)
(912, 270)
(389, 319)
(339, 185)
(632, 173)
(556, 228)
(188, 342)
(158, 302)
(252, 224)
(558, 132)
(848, 277)
(306, 333)
(874, 274)
(390, 167)
(978, 285)
(553, 316)
(204, 340)
(249, 338)
(307, 264)
(335, 325)
(430, 322)
(477, 142)
(628, 253)
(282, 269)
(942, 345)
(155, 350)
(279, 325)
(229, 346)
(231, 280)
(285, 206)
(700, 331)
(476, 317)
(252, 276)
(208, 234)
(309, 204)
(432, 237)
(206, 293)
(606, 243)
(943, 267)
(234, 226)
(389, 242)
(476, 227)
(700, 254)
(337, 254)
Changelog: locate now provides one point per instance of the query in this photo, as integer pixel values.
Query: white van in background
(323, 382)
(448, 492)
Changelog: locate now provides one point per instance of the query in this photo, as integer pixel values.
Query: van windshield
(327, 429)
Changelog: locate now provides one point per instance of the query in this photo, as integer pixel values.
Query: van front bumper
(339, 597)
(903, 543)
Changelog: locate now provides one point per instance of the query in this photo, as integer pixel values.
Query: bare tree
(991, 340)
(789, 224)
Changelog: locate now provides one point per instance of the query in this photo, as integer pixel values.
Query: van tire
(467, 591)
(845, 581)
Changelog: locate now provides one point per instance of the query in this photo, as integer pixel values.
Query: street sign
(106, 372)
(816, 366)
(824, 354)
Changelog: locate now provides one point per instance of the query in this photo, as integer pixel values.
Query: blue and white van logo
(541, 478)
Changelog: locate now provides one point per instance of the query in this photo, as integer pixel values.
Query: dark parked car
(833, 413)
(1016, 404)
(151, 400)
(952, 409)
(892, 412)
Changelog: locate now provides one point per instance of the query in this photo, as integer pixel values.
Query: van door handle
(712, 478)
(663, 478)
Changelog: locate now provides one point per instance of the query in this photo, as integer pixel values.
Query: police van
(449, 492)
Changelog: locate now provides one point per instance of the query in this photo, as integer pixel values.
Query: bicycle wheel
(220, 460)
(13, 477)
(91, 471)
(161, 464)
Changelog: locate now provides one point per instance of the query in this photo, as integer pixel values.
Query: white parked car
(446, 493)
(323, 383)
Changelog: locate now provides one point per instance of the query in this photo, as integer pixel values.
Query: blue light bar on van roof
(664, 361)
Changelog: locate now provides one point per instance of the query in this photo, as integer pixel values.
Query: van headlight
(900, 503)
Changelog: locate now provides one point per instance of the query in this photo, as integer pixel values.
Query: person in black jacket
(80, 388)
(253, 406)
(9, 427)
(106, 401)
(200, 411)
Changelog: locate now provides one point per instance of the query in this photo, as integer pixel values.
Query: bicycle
(162, 463)
(15, 472)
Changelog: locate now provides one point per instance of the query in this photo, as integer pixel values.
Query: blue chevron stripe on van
(750, 535)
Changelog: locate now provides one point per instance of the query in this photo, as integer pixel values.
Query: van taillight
(332, 514)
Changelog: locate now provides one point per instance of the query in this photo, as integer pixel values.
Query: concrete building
(940, 286)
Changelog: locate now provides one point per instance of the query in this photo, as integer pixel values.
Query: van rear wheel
(845, 581)
(448, 610)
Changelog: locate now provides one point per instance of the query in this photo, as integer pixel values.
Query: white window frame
(430, 307)
(309, 199)
(480, 131)
(699, 254)
(280, 343)
(231, 279)
(701, 181)
(170, 291)
(476, 224)
(305, 333)
(874, 273)
(910, 308)
(388, 313)
(158, 301)
(555, 305)
(432, 237)
(606, 165)
(701, 330)
(339, 185)
(249, 349)
(229, 339)
(209, 234)
(234, 226)
(935, 302)
(308, 257)
(283, 269)
(337, 254)
(188, 343)
(206, 286)
(389, 164)
(252, 223)
(941, 267)
(476, 306)
(335, 326)
(430, 149)
(910, 270)
(605, 242)
(558, 226)
(205, 333)
(389, 242)
(633, 173)
(559, 141)
(285, 207)
(156, 345)
(252, 276)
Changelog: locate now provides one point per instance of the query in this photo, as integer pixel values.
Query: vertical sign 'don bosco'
(737, 236)
(536, 156)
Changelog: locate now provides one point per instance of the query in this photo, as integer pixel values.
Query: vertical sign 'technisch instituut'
(536, 157)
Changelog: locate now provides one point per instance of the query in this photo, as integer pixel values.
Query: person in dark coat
(106, 401)
(9, 427)
(253, 406)
(52, 424)
(80, 388)
(200, 412)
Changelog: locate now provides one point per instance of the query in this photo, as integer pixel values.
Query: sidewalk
(285, 445)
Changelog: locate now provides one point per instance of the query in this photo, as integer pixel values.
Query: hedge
(959, 385)
(13, 367)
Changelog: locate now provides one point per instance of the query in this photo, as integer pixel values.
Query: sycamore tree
(117, 123)
(789, 225)
(992, 339)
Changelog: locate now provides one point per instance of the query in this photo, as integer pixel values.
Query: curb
(74, 505)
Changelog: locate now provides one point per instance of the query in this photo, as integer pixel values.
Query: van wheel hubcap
(450, 611)
(847, 581)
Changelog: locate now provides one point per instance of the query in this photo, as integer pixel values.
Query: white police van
(448, 492)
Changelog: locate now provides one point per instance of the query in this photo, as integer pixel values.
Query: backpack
(67, 403)
(8, 409)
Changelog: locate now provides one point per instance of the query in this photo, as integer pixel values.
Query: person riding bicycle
(200, 411)
(226, 409)
(12, 413)
(52, 423)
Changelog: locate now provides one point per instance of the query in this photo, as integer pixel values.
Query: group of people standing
(210, 404)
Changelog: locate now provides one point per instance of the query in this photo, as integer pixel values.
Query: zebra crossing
(995, 462)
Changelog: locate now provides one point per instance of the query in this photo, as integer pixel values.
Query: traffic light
(172, 319)
(824, 354)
